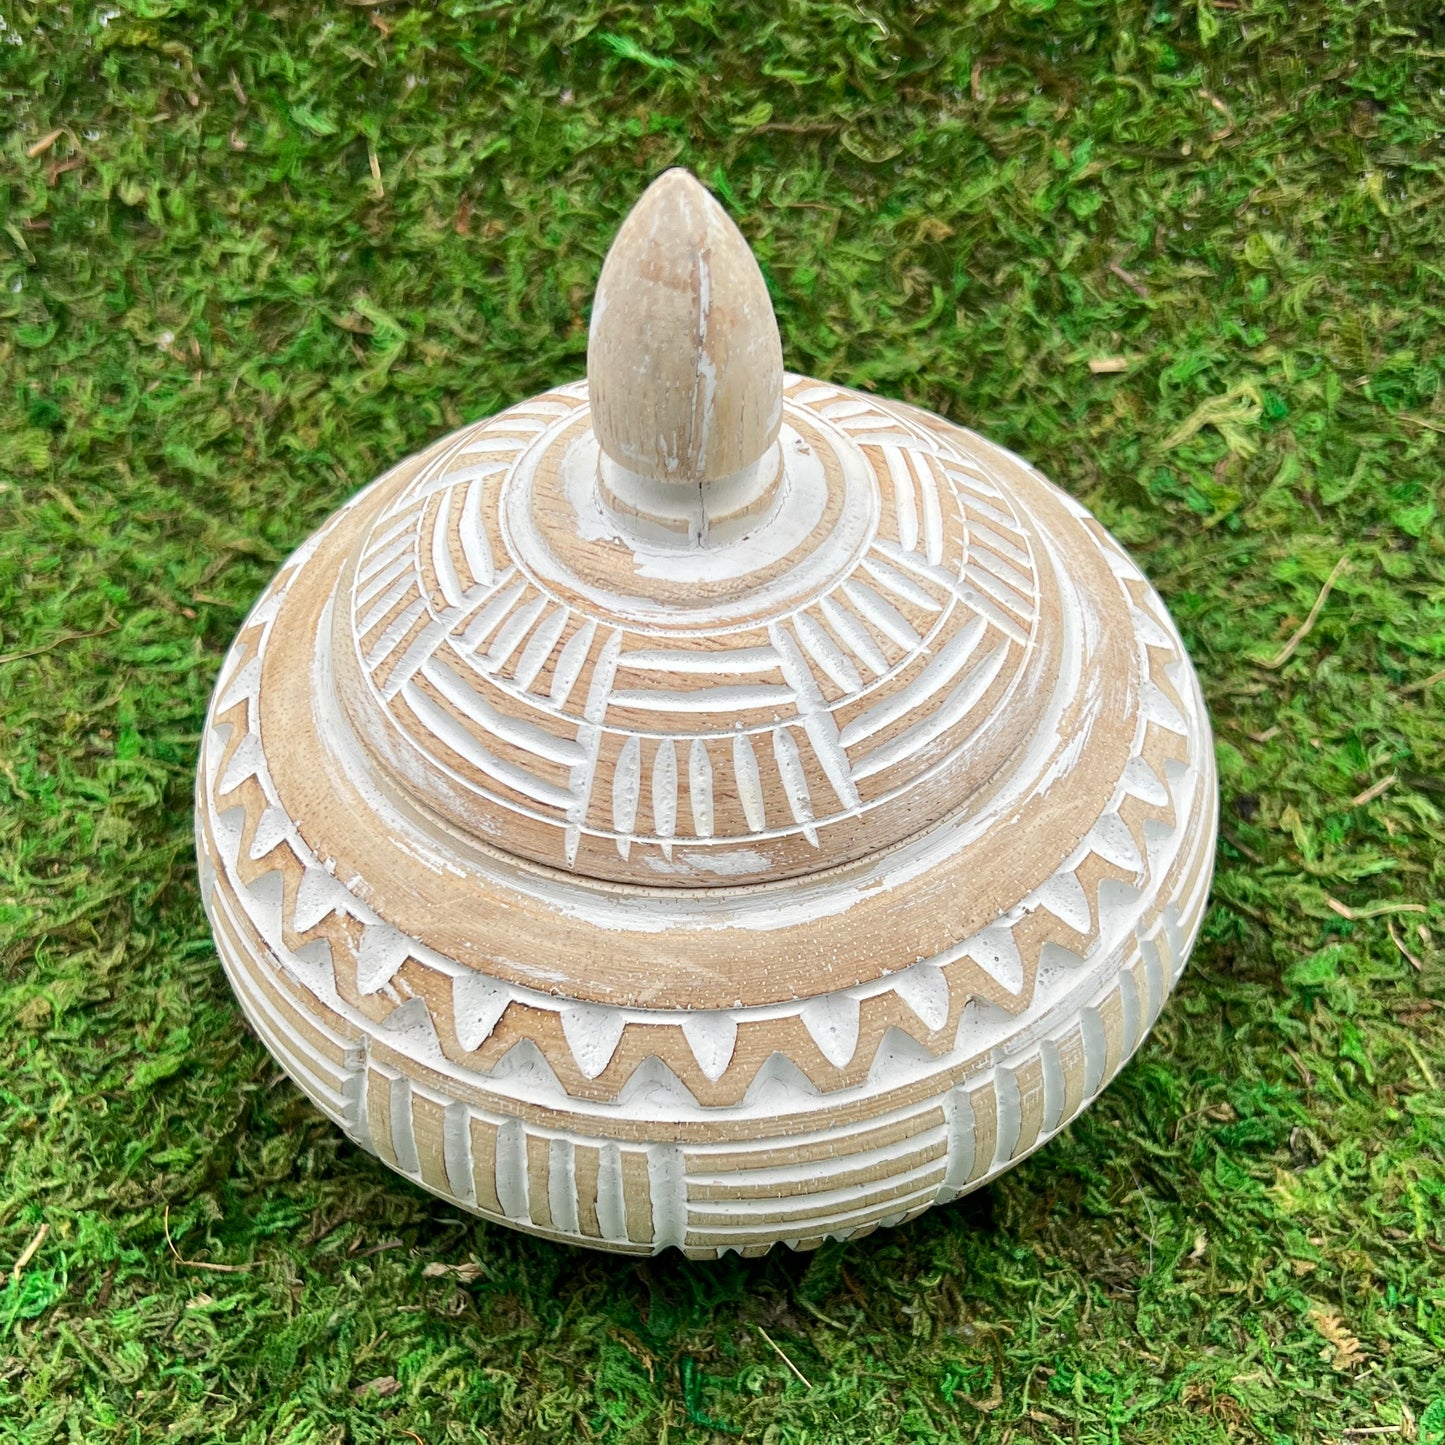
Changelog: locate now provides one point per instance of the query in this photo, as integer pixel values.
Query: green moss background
(251, 254)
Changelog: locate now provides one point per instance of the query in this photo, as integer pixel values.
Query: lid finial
(684, 363)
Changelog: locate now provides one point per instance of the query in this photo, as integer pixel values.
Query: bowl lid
(699, 686)
(696, 622)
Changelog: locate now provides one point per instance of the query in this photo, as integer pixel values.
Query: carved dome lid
(865, 658)
(637, 632)
(698, 686)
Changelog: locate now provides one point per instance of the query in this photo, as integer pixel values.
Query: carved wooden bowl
(705, 806)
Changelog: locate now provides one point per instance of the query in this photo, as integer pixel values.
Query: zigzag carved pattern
(717, 1191)
(832, 1041)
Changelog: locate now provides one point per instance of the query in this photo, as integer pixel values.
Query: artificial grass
(252, 254)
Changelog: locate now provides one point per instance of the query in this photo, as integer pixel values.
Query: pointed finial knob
(684, 364)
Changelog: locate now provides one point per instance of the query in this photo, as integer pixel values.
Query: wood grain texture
(685, 359)
(646, 888)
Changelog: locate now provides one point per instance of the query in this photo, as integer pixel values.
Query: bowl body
(716, 913)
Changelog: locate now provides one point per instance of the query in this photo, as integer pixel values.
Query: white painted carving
(687, 760)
